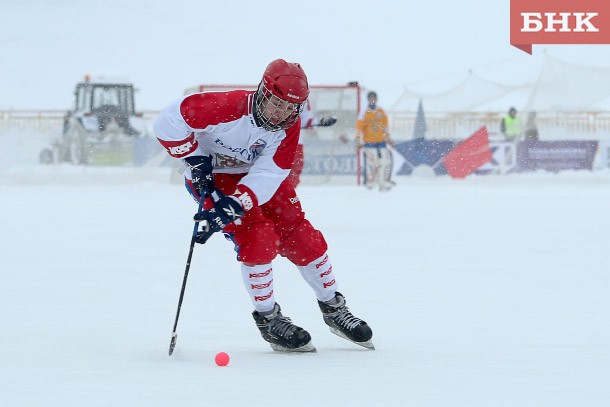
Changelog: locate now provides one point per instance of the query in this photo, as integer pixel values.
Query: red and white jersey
(222, 125)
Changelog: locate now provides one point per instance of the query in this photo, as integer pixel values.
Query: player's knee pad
(370, 157)
(303, 245)
(385, 157)
(257, 244)
(371, 163)
(385, 164)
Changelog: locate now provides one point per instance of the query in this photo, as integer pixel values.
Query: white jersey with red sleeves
(222, 125)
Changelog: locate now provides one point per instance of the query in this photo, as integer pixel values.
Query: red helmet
(281, 95)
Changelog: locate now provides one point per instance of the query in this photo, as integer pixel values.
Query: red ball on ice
(222, 359)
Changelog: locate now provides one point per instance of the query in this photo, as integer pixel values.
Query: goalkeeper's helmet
(281, 95)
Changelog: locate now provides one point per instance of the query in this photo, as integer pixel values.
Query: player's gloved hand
(226, 209)
(201, 173)
(327, 121)
(203, 236)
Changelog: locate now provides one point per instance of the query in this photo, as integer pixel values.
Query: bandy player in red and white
(238, 147)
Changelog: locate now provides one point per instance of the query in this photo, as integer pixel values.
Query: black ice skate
(342, 323)
(281, 333)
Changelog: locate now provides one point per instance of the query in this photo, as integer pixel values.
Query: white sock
(259, 284)
(319, 275)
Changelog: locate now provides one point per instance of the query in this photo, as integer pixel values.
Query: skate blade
(368, 344)
(308, 347)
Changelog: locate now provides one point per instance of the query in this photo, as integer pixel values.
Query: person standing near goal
(238, 148)
(373, 135)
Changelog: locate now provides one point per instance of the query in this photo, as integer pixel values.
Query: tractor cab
(98, 103)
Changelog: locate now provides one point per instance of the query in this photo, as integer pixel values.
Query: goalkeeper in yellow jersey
(373, 134)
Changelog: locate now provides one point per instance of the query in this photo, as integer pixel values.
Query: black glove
(226, 209)
(201, 171)
(327, 121)
(203, 236)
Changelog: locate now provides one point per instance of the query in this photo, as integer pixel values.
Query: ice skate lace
(345, 318)
(282, 326)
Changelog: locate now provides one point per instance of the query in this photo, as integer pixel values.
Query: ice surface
(491, 291)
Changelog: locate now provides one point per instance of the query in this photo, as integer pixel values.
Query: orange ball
(222, 359)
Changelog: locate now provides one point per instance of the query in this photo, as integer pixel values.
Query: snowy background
(165, 47)
(490, 291)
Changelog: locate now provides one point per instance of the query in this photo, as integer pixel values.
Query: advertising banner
(556, 155)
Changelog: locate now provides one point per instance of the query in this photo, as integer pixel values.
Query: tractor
(101, 127)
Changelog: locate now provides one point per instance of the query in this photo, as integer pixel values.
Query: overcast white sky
(163, 47)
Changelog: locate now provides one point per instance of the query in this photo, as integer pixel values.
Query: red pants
(277, 227)
(297, 167)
